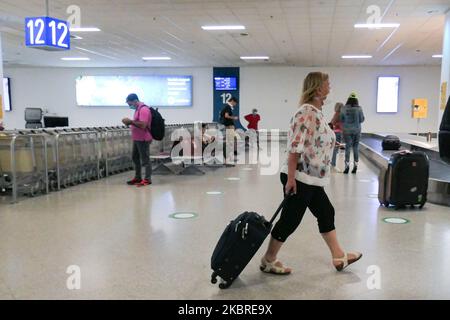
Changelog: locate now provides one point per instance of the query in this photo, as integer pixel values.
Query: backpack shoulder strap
(140, 108)
(150, 108)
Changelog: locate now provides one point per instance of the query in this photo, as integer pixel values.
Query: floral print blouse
(312, 138)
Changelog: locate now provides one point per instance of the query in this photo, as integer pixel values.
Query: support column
(445, 71)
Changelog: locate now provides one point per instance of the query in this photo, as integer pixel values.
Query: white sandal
(345, 261)
(271, 267)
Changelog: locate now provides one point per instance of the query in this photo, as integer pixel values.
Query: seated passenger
(253, 119)
(185, 145)
(206, 138)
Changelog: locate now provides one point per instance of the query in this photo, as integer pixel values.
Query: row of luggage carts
(44, 160)
(36, 161)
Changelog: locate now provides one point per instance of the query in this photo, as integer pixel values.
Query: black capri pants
(307, 196)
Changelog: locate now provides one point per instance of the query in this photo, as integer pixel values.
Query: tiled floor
(127, 247)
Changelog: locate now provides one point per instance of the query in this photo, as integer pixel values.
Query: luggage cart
(23, 164)
(118, 150)
(77, 157)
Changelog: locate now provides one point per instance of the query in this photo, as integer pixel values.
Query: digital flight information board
(225, 83)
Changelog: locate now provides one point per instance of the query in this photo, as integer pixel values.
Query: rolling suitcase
(391, 143)
(238, 244)
(405, 181)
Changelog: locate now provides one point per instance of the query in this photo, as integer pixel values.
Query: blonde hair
(338, 107)
(312, 83)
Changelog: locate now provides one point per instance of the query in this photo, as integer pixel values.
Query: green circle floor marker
(184, 215)
(396, 220)
(233, 179)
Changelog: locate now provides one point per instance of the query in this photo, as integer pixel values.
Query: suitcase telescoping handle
(285, 200)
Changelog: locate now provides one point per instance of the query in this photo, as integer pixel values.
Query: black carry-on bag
(238, 244)
(391, 143)
(405, 181)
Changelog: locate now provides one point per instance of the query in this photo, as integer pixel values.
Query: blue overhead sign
(47, 33)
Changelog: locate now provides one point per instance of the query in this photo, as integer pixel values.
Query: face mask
(133, 107)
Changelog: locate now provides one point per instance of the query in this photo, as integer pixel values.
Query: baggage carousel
(439, 183)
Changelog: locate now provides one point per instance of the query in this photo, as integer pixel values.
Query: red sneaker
(134, 182)
(143, 183)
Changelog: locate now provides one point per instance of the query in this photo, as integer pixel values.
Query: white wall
(54, 89)
(273, 90)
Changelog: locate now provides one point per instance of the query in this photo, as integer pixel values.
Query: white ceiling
(291, 32)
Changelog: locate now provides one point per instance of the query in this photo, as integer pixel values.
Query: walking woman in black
(305, 173)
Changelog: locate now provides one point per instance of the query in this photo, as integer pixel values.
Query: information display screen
(155, 91)
(7, 94)
(387, 96)
(229, 83)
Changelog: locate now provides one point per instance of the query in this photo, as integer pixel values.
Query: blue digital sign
(47, 33)
(225, 83)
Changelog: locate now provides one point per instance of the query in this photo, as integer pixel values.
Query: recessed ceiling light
(438, 56)
(357, 57)
(376, 25)
(255, 58)
(90, 29)
(215, 28)
(75, 59)
(156, 58)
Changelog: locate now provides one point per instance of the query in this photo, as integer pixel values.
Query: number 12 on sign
(47, 33)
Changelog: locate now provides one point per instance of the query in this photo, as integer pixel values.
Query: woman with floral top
(304, 174)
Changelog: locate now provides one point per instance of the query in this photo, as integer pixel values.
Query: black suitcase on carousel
(238, 244)
(391, 143)
(405, 181)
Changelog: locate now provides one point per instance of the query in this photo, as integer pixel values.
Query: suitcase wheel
(214, 278)
(225, 285)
